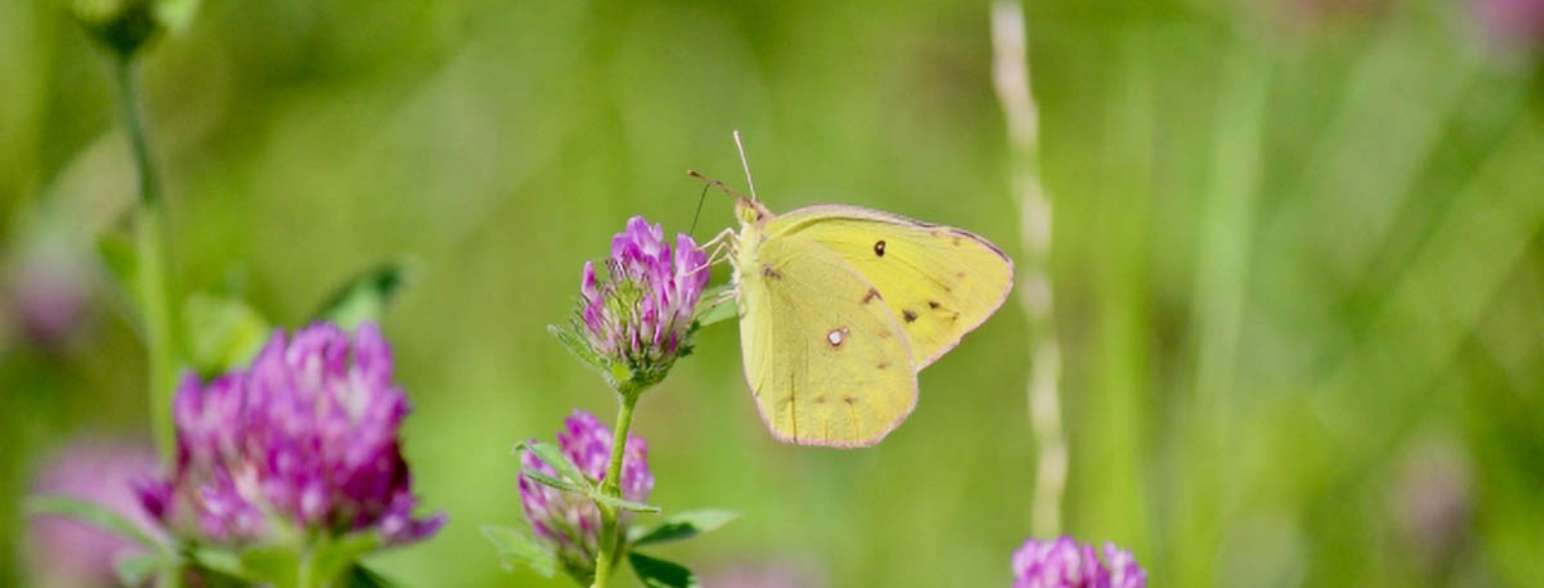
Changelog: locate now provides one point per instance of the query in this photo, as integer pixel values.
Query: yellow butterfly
(841, 306)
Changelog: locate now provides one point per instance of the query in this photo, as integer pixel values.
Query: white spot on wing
(836, 337)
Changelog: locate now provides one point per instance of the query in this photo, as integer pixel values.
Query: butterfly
(840, 307)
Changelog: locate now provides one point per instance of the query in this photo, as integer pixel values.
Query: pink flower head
(570, 523)
(307, 434)
(638, 314)
(1065, 563)
(66, 552)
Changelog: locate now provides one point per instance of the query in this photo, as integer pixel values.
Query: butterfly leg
(720, 247)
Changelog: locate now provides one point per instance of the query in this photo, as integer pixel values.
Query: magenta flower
(570, 523)
(1512, 24)
(67, 552)
(47, 291)
(306, 438)
(637, 316)
(1064, 563)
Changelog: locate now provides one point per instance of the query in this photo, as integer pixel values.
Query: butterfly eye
(879, 248)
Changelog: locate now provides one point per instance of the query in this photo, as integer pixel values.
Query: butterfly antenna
(698, 214)
(745, 163)
(712, 183)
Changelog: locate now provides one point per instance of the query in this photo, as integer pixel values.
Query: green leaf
(685, 526)
(366, 296)
(278, 565)
(623, 504)
(175, 15)
(363, 577)
(334, 558)
(718, 305)
(552, 482)
(136, 570)
(552, 456)
(272, 565)
(658, 573)
(517, 549)
(92, 514)
(121, 260)
(219, 560)
(222, 333)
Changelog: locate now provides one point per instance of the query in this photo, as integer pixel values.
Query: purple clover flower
(67, 552)
(637, 315)
(570, 523)
(307, 435)
(1064, 563)
(1512, 24)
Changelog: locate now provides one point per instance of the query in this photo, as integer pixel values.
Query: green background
(1296, 248)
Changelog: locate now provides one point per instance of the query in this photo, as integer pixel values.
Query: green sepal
(553, 456)
(570, 338)
(554, 483)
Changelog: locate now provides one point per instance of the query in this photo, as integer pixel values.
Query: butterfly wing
(939, 282)
(827, 362)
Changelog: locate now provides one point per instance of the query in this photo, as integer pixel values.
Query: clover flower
(1064, 563)
(1512, 24)
(305, 439)
(570, 523)
(63, 552)
(635, 319)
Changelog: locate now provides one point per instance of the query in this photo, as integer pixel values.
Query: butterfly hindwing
(827, 362)
(939, 282)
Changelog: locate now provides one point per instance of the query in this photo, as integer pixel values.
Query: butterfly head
(750, 212)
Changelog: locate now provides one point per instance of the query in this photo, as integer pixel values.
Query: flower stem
(154, 296)
(610, 540)
(1012, 80)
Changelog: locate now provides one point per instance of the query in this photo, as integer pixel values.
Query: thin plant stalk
(610, 539)
(153, 292)
(1010, 75)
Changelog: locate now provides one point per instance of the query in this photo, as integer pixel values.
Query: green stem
(610, 540)
(305, 577)
(154, 295)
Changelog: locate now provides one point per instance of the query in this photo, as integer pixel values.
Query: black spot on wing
(909, 315)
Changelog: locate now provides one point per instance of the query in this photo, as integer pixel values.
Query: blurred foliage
(1294, 244)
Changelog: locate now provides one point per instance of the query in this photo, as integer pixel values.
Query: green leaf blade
(517, 549)
(658, 573)
(222, 333)
(92, 514)
(623, 504)
(685, 525)
(366, 296)
(718, 306)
